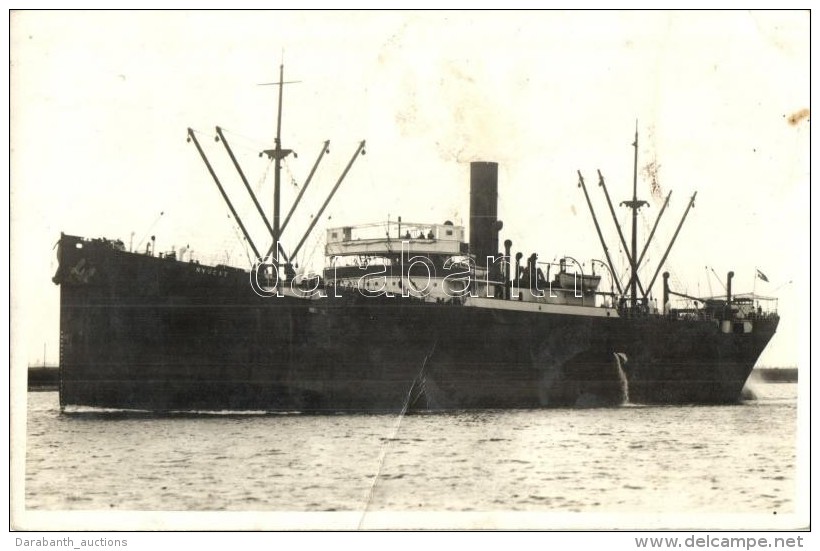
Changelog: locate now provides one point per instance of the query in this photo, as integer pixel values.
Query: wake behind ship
(404, 316)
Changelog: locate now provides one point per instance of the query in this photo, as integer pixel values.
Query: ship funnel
(484, 223)
(729, 277)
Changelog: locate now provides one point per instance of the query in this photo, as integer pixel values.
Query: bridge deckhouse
(390, 238)
(396, 255)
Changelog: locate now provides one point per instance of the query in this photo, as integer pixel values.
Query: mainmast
(635, 205)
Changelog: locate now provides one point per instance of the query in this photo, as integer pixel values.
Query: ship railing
(610, 299)
(707, 314)
(396, 230)
(496, 285)
(766, 306)
(691, 314)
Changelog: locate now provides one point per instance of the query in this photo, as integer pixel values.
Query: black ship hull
(140, 332)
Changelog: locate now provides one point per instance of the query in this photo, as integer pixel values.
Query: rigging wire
(309, 258)
(709, 281)
(256, 146)
(624, 259)
(252, 144)
(151, 227)
(263, 177)
(242, 241)
(289, 174)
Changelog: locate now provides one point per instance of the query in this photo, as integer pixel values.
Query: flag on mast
(761, 275)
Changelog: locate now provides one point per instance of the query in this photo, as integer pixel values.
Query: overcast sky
(101, 103)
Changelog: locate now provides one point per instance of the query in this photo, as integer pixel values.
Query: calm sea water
(628, 459)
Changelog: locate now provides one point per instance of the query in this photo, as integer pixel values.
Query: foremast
(277, 154)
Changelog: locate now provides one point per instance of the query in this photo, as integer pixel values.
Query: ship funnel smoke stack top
(484, 223)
